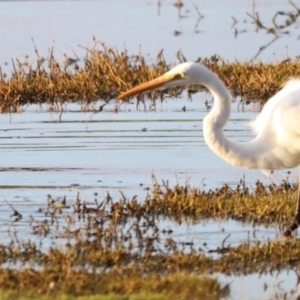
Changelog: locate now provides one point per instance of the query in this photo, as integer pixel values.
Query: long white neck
(250, 154)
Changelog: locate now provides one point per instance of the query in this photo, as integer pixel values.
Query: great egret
(277, 144)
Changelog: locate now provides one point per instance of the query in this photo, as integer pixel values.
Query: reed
(104, 73)
(120, 246)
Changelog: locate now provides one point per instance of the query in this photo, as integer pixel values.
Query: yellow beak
(150, 85)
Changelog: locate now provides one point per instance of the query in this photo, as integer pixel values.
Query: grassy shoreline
(105, 72)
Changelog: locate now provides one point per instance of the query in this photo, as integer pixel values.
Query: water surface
(95, 153)
(146, 27)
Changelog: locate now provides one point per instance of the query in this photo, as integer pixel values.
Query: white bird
(277, 144)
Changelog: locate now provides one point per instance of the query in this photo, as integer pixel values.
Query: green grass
(28, 296)
(170, 287)
(10, 295)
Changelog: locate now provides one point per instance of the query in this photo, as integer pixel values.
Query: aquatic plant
(120, 247)
(105, 72)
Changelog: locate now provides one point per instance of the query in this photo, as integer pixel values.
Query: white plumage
(277, 143)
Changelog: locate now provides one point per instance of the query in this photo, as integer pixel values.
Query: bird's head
(180, 75)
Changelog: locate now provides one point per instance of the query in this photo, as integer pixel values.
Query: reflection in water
(214, 34)
(101, 152)
(111, 152)
(282, 285)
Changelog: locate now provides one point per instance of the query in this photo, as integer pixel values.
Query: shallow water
(143, 25)
(103, 152)
(108, 151)
(97, 152)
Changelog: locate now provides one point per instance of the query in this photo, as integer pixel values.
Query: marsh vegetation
(105, 72)
(125, 247)
(120, 246)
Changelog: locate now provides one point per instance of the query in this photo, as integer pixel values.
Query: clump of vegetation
(255, 81)
(113, 286)
(105, 72)
(121, 247)
(259, 204)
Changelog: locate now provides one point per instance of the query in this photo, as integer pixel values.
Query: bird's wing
(286, 121)
(260, 122)
(279, 129)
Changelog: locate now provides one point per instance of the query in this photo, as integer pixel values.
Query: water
(97, 152)
(103, 152)
(143, 25)
(283, 285)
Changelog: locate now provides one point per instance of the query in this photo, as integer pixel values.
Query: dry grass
(259, 204)
(255, 81)
(119, 246)
(105, 72)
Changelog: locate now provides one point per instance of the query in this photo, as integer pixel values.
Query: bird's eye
(178, 76)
